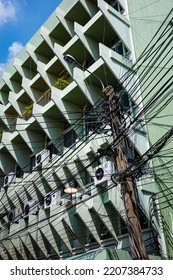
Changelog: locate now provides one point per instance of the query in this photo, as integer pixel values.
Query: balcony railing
(45, 98)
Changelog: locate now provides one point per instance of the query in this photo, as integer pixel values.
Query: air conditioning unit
(53, 198)
(41, 157)
(9, 179)
(103, 172)
(30, 208)
(14, 216)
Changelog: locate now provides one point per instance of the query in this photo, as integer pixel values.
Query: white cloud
(7, 11)
(2, 66)
(13, 50)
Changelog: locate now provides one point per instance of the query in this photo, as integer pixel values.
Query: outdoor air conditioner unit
(53, 198)
(30, 208)
(40, 157)
(14, 216)
(9, 179)
(103, 172)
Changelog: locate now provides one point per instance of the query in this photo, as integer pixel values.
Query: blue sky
(19, 20)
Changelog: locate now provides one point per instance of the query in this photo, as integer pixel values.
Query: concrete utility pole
(121, 163)
(127, 185)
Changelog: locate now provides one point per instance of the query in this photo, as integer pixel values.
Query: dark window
(86, 178)
(19, 172)
(105, 234)
(124, 101)
(32, 163)
(93, 121)
(118, 47)
(115, 4)
(73, 183)
(70, 138)
(52, 150)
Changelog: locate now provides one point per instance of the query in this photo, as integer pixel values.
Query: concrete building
(52, 125)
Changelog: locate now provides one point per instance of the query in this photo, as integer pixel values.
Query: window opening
(115, 4)
(69, 138)
(120, 48)
(52, 150)
(32, 163)
(19, 172)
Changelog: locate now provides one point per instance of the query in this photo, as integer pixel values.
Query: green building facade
(53, 123)
(151, 25)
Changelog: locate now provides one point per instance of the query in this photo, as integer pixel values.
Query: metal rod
(71, 60)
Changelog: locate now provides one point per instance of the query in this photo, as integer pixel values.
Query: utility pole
(126, 182)
(121, 163)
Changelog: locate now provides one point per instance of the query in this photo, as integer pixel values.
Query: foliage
(28, 111)
(61, 83)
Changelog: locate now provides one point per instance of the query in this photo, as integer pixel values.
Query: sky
(19, 21)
